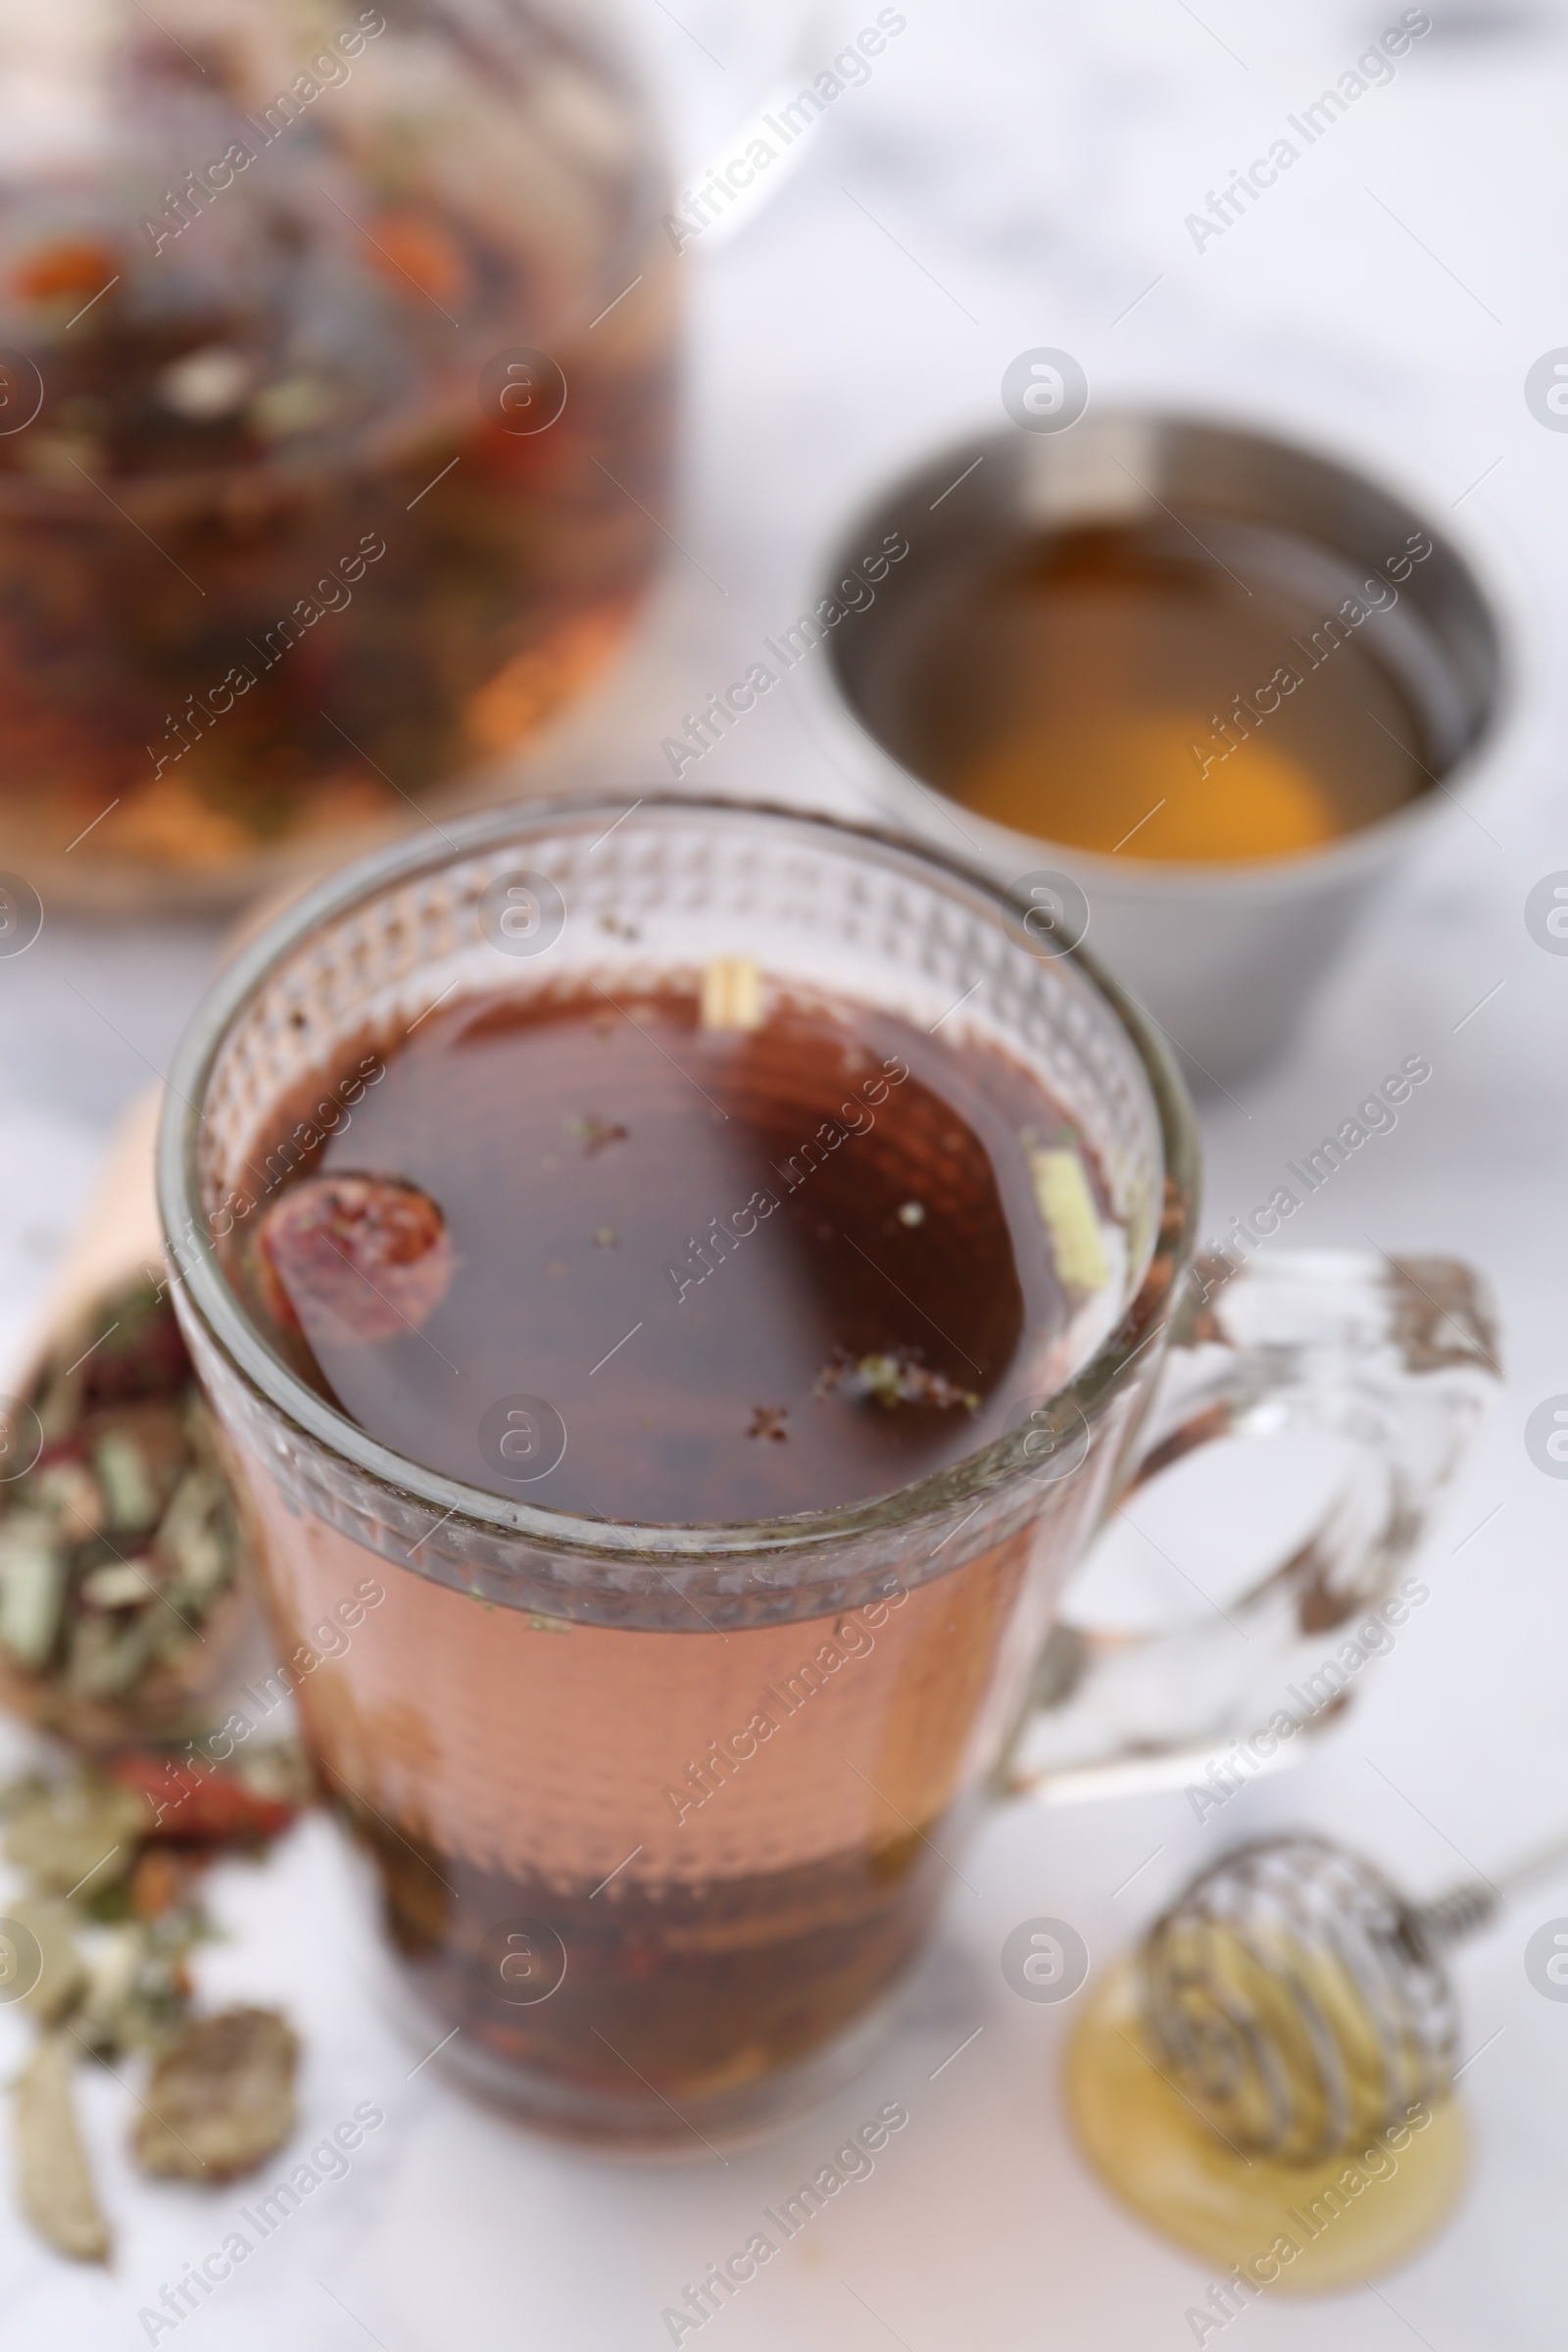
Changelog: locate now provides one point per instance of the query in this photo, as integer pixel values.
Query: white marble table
(1015, 173)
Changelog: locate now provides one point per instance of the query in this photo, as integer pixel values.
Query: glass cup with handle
(663, 1814)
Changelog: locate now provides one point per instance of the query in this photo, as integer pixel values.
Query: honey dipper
(1299, 2001)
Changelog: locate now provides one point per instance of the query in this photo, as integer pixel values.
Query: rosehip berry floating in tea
(369, 1252)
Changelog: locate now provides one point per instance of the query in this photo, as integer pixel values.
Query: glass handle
(1396, 1356)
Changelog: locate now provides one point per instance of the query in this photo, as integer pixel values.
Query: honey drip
(1269, 2227)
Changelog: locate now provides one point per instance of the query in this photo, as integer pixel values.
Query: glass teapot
(336, 370)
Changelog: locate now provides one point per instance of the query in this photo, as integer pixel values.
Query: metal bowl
(1224, 957)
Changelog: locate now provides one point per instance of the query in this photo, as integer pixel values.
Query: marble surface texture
(1015, 173)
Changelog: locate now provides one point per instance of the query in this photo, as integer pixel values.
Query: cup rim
(1345, 858)
(207, 1296)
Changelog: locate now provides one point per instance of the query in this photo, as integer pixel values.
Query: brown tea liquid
(662, 1857)
(754, 1271)
(1169, 690)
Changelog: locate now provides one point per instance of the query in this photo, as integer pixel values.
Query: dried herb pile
(121, 1557)
(96, 1949)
